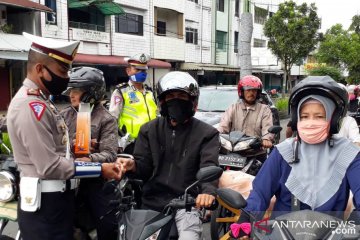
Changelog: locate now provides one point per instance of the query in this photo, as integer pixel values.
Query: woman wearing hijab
(314, 169)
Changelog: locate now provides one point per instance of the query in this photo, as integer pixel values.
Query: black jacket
(168, 158)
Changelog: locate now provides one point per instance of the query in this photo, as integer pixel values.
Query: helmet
(180, 81)
(249, 82)
(324, 86)
(90, 80)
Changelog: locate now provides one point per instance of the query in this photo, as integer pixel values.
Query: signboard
(90, 35)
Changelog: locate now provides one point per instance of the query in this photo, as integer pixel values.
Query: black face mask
(57, 84)
(178, 110)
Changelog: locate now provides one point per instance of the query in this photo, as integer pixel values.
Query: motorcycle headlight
(225, 144)
(154, 236)
(7, 186)
(243, 145)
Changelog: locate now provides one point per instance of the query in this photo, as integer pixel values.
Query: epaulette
(33, 92)
(122, 85)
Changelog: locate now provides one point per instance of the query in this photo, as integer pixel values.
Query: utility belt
(48, 186)
(31, 189)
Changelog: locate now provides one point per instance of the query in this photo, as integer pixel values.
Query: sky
(332, 12)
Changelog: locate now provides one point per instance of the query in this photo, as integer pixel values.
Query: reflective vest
(138, 109)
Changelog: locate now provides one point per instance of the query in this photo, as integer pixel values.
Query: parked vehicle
(240, 152)
(304, 224)
(148, 224)
(9, 191)
(214, 100)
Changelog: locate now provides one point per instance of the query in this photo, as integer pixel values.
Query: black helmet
(323, 86)
(180, 81)
(90, 80)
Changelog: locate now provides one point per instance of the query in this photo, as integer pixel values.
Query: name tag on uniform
(133, 98)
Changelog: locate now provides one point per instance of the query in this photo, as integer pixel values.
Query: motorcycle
(303, 224)
(9, 191)
(148, 224)
(240, 152)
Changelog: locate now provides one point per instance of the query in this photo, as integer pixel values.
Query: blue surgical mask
(139, 77)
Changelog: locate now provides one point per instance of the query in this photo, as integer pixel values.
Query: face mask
(139, 77)
(178, 110)
(313, 131)
(57, 84)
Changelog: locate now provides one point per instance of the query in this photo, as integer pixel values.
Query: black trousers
(93, 202)
(53, 221)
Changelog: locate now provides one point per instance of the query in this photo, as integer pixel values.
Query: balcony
(169, 48)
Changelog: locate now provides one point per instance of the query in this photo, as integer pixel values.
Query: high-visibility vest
(138, 109)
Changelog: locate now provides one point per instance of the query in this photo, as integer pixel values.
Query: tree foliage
(341, 48)
(355, 24)
(292, 32)
(333, 72)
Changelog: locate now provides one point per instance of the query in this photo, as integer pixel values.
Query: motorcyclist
(353, 98)
(87, 85)
(248, 115)
(132, 103)
(172, 148)
(315, 170)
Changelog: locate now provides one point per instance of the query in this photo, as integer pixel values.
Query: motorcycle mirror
(232, 198)
(208, 174)
(274, 129)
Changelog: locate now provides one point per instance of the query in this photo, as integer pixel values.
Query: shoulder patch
(117, 100)
(122, 85)
(38, 109)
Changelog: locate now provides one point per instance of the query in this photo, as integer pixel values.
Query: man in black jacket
(171, 149)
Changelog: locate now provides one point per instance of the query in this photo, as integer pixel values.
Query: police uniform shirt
(38, 135)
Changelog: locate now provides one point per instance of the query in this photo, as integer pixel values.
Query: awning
(208, 67)
(81, 58)
(106, 7)
(26, 4)
(13, 46)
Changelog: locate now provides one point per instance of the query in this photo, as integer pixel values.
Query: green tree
(292, 33)
(333, 72)
(341, 49)
(355, 25)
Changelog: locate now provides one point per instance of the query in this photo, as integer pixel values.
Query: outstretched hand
(111, 171)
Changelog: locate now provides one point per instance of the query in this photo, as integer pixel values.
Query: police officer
(131, 103)
(40, 142)
(87, 85)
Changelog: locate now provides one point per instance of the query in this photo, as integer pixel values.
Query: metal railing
(88, 26)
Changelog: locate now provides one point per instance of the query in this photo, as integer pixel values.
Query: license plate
(232, 160)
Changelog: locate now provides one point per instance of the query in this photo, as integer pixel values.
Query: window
(51, 17)
(220, 5)
(195, 1)
(237, 3)
(258, 43)
(260, 15)
(192, 35)
(87, 18)
(161, 28)
(221, 40)
(129, 24)
(236, 42)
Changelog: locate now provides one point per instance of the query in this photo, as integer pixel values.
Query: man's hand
(111, 171)
(266, 143)
(204, 200)
(94, 145)
(127, 164)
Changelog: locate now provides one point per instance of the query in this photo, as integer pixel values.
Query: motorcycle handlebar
(191, 202)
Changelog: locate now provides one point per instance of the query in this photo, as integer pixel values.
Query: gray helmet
(90, 80)
(178, 81)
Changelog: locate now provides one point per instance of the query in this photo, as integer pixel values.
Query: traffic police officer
(40, 143)
(87, 85)
(131, 103)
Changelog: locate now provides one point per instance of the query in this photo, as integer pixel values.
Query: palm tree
(355, 25)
